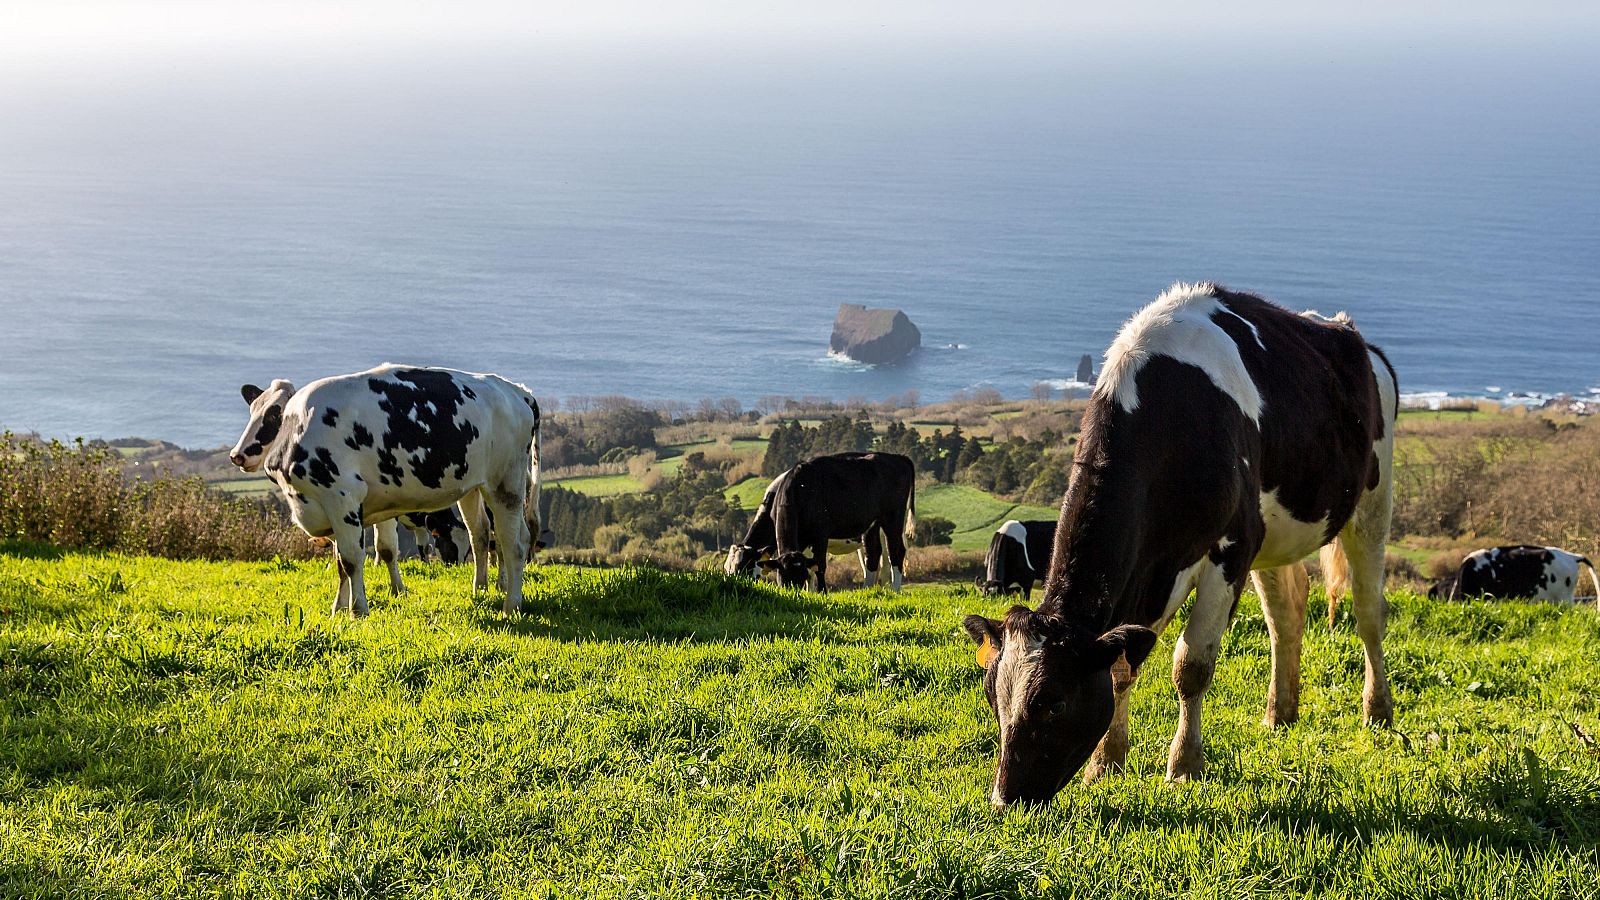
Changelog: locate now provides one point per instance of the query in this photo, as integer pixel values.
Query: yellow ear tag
(985, 652)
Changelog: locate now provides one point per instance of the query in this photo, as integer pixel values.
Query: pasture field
(192, 729)
(976, 513)
(599, 485)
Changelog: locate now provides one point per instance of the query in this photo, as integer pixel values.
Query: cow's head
(266, 420)
(742, 559)
(445, 541)
(793, 568)
(1049, 685)
(990, 588)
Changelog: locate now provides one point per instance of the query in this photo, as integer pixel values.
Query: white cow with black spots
(356, 450)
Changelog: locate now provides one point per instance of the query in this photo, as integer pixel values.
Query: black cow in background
(844, 500)
(1019, 555)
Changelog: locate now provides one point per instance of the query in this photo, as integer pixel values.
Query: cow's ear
(1133, 641)
(988, 635)
(250, 392)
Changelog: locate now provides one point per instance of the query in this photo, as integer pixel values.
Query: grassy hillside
(204, 730)
(975, 512)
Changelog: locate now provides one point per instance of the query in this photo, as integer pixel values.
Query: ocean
(683, 223)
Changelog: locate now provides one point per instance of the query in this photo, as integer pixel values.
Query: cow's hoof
(1275, 719)
(1184, 764)
(1098, 769)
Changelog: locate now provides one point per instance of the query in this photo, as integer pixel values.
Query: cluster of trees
(686, 516)
(1033, 470)
(615, 432)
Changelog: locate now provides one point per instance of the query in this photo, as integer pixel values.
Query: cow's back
(415, 438)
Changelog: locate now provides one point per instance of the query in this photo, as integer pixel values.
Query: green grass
(975, 512)
(600, 485)
(244, 487)
(205, 730)
(749, 491)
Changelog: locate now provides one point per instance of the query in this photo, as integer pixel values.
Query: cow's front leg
(820, 554)
(389, 553)
(1193, 664)
(511, 533)
(477, 522)
(1112, 752)
(350, 552)
(1283, 600)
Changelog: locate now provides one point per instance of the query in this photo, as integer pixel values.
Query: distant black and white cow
(1225, 435)
(832, 504)
(1019, 555)
(354, 450)
(445, 532)
(1548, 574)
(761, 540)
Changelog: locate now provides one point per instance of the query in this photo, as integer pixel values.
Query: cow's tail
(1335, 575)
(1584, 560)
(911, 508)
(536, 520)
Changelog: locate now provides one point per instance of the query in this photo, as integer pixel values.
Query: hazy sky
(54, 29)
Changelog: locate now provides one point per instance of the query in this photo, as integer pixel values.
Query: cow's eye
(1056, 711)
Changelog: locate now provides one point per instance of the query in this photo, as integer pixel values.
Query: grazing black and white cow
(1547, 574)
(1225, 435)
(761, 541)
(354, 450)
(844, 501)
(1019, 555)
(444, 530)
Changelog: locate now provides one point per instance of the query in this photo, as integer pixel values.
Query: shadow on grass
(30, 550)
(642, 603)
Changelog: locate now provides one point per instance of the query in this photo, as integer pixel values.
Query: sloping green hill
(201, 729)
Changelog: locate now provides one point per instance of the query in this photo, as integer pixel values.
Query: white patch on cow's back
(1178, 326)
(1288, 540)
(1018, 532)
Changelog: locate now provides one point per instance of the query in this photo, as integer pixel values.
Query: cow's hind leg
(893, 535)
(511, 533)
(1283, 594)
(1195, 661)
(1364, 547)
(389, 553)
(477, 522)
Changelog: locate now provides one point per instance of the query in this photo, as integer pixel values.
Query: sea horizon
(673, 226)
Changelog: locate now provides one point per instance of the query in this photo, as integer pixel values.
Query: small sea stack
(1086, 369)
(875, 336)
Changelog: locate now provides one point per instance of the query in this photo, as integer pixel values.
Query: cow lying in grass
(1225, 435)
(1547, 574)
(356, 450)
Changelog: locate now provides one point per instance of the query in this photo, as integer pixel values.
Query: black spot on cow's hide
(323, 470)
(359, 437)
(352, 518)
(330, 417)
(271, 423)
(422, 406)
(298, 456)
